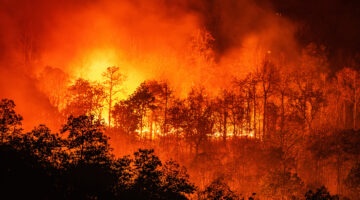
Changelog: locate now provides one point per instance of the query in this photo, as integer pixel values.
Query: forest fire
(183, 99)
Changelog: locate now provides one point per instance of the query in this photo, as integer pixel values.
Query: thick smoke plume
(183, 42)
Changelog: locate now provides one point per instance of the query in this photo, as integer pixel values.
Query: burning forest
(183, 99)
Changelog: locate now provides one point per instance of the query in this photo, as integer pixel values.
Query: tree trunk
(355, 104)
(254, 114)
(282, 123)
(110, 100)
(224, 126)
(264, 115)
(165, 110)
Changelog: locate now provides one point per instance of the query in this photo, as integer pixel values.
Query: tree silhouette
(85, 140)
(268, 78)
(146, 178)
(113, 79)
(162, 99)
(141, 102)
(175, 181)
(84, 98)
(321, 194)
(199, 121)
(349, 87)
(147, 169)
(123, 170)
(10, 121)
(43, 145)
(125, 119)
(218, 190)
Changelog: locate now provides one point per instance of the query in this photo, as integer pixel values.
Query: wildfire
(95, 63)
(232, 70)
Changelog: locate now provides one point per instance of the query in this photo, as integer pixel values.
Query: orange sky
(146, 39)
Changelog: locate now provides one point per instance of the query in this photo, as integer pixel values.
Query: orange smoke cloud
(183, 42)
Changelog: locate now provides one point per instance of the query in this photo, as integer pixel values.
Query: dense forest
(275, 134)
(78, 163)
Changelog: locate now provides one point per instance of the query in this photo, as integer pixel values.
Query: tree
(283, 92)
(199, 121)
(147, 183)
(85, 98)
(230, 113)
(268, 78)
(307, 91)
(153, 180)
(10, 121)
(218, 190)
(248, 90)
(280, 184)
(141, 102)
(87, 171)
(321, 194)
(349, 87)
(162, 95)
(43, 145)
(178, 114)
(340, 148)
(177, 121)
(113, 79)
(85, 140)
(175, 181)
(353, 180)
(144, 177)
(124, 173)
(306, 99)
(125, 119)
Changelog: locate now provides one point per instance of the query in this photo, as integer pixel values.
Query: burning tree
(349, 88)
(125, 119)
(113, 81)
(84, 98)
(142, 103)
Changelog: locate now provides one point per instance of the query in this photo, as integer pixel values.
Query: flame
(95, 63)
(147, 40)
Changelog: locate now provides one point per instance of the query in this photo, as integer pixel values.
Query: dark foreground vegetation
(78, 164)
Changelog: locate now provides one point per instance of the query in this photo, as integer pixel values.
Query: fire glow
(228, 84)
(150, 41)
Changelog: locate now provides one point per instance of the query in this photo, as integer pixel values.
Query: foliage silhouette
(78, 164)
(321, 194)
(152, 180)
(10, 121)
(23, 177)
(125, 119)
(218, 190)
(85, 140)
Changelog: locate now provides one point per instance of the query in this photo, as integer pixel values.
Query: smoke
(184, 42)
